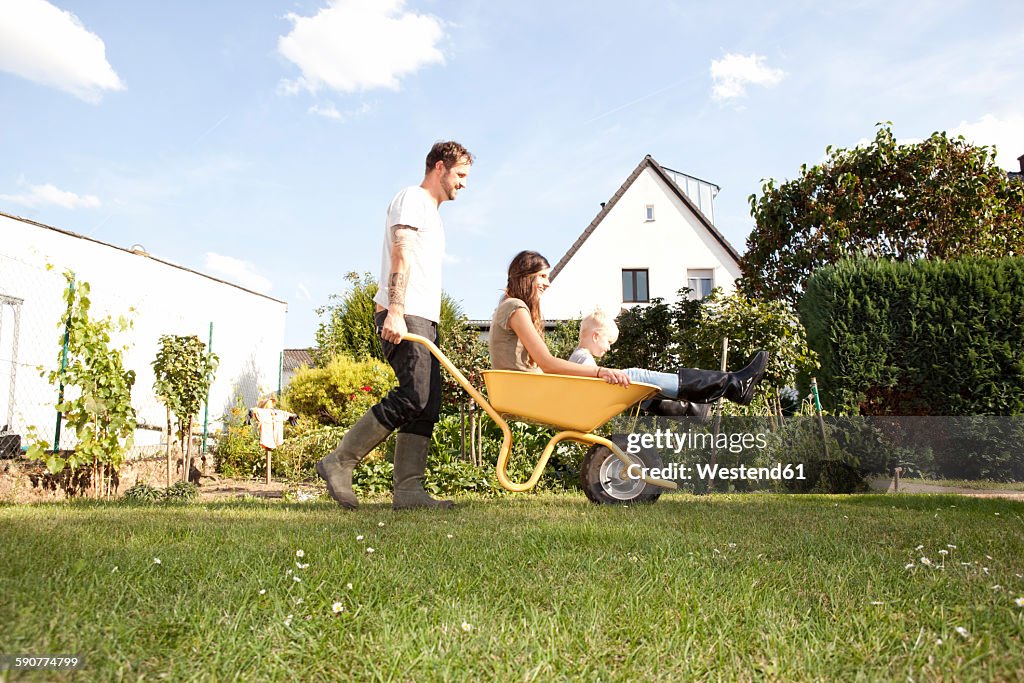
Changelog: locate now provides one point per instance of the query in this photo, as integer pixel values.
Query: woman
(517, 329)
(517, 343)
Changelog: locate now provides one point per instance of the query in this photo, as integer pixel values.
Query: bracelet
(598, 375)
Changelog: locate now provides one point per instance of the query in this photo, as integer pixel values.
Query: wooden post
(718, 412)
(821, 420)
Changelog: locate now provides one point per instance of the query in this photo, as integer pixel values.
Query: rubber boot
(704, 386)
(336, 467)
(667, 407)
(743, 382)
(410, 464)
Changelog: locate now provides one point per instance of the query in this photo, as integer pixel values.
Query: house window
(634, 286)
(700, 282)
(649, 213)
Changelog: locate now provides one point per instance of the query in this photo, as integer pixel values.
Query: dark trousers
(414, 406)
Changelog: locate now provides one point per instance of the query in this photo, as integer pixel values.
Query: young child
(697, 387)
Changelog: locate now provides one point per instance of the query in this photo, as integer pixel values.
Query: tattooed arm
(402, 240)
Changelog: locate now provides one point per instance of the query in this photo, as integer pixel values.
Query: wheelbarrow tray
(580, 404)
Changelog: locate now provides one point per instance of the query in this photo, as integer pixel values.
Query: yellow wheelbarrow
(576, 406)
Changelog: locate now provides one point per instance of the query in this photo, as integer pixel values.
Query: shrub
(237, 448)
(339, 394)
(143, 493)
(183, 491)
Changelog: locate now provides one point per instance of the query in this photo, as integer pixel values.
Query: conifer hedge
(921, 338)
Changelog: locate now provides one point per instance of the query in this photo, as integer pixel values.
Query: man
(408, 300)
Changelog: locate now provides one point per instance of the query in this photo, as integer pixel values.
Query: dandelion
(297, 579)
(467, 627)
(299, 553)
(369, 550)
(348, 586)
(925, 561)
(337, 608)
(1019, 602)
(963, 632)
(263, 591)
(359, 537)
(156, 560)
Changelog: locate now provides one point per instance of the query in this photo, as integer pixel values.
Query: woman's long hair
(521, 286)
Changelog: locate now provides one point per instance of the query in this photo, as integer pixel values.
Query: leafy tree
(562, 340)
(689, 333)
(183, 371)
(100, 408)
(939, 198)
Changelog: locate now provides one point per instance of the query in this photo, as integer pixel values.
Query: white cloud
(48, 45)
(733, 73)
(41, 195)
(237, 271)
(1006, 133)
(356, 45)
(331, 112)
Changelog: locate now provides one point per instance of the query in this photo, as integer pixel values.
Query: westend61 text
(703, 471)
(667, 439)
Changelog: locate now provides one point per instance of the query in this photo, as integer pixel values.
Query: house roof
(293, 359)
(648, 162)
(136, 253)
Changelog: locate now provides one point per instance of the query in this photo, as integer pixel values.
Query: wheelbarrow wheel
(603, 476)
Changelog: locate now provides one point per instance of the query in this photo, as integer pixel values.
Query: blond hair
(598, 321)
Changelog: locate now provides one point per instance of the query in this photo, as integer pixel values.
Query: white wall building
(654, 236)
(248, 327)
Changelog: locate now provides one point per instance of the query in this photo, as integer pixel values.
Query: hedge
(921, 338)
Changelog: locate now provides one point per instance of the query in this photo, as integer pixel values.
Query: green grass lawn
(735, 587)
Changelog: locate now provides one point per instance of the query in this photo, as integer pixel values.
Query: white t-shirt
(414, 207)
(582, 356)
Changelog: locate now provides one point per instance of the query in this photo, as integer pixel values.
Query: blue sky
(261, 141)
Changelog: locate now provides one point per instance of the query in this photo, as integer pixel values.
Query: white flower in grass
(380, 523)
(299, 601)
(950, 545)
(113, 570)
(1019, 602)
(997, 514)
(963, 632)
(877, 602)
(359, 537)
(156, 560)
(467, 627)
(909, 566)
(337, 608)
(920, 547)
(996, 587)
(369, 550)
(938, 641)
(943, 552)
(732, 545)
(297, 579)
(926, 561)
(348, 586)
(450, 536)
(288, 620)
(301, 565)
(263, 591)
(288, 573)
(988, 557)
(300, 553)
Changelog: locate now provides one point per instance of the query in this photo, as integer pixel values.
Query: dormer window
(649, 213)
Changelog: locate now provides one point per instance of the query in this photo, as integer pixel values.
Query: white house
(654, 236)
(246, 328)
